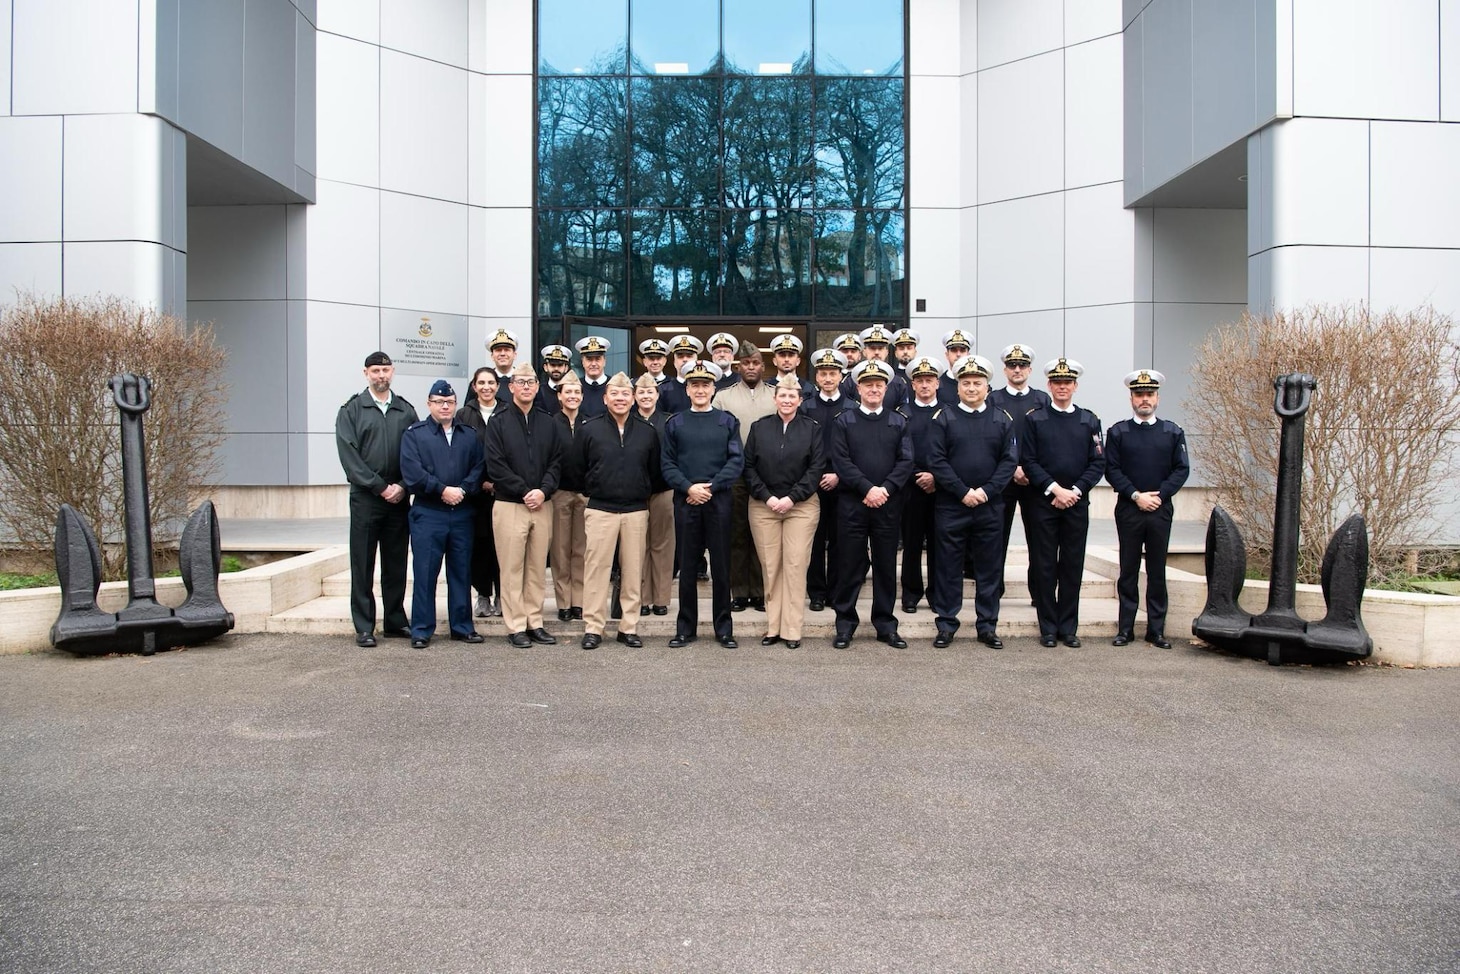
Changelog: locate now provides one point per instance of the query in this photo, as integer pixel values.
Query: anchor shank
(1293, 394)
(133, 399)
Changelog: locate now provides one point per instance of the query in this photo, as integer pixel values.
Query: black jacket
(783, 460)
(369, 440)
(570, 476)
(619, 473)
(523, 453)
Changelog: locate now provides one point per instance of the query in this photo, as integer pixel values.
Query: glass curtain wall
(735, 158)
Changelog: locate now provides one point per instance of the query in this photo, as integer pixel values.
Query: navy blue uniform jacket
(429, 464)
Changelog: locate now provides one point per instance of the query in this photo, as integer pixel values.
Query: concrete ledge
(253, 596)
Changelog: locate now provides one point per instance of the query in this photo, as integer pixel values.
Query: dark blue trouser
(966, 529)
(438, 532)
(861, 528)
(1059, 539)
(917, 535)
(821, 573)
(701, 526)
(1150, 531)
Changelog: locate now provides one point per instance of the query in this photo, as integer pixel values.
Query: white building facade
(1100, 179)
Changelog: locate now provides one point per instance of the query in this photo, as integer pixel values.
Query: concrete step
(330, 615)
(1016, 585)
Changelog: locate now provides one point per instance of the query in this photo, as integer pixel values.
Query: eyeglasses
(442, 402)
(519, 381)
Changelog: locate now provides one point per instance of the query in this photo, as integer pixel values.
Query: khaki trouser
(568, 547)
(659, 551)
(605, 530)
(523, 538)
(783, 542)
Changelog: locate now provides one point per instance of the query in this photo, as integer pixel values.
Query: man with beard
(786, 356)
(555, 362)
(747, 400)
(904, 349)
(724, 349)
(1064, 457)
(368, 432)
(1145, 462)
(972, 458)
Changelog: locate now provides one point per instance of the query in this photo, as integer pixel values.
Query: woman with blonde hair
(783, 464)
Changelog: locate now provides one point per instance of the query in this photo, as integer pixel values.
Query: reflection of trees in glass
(768, 171)
(675, 262)
(582, 142)
(743, 194)
(859, 263)
(580, 262)
(675, 142)
(860, 166)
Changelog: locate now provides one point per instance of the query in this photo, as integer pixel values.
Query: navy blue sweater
(1140, 457)
(1062, 448)
(919, 423)
(701, 448)
(871, 451)
(971, 450)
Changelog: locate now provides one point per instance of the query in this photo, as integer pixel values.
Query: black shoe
(770, 640)
(541, 635)
(564, 615)
(1158, 640)
(758, 604)
(644, 610)
(728, 642)
(420, 643)
(990, 640)
(793, 644)
(575, 612)
(892, 639)
(661, 610)
(365, 640)
(817, 605)
(739, 605)
(842, 640)
(520, 639)
(472, 637)
(1048, 642)
(630, 640)
(1122, 639)
(909, 607)
(396, 633)
(943, 640)
(679, 642)
(591, 640)
(1072, 641)
(702, 576)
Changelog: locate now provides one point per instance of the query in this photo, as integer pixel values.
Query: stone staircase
(329, 614)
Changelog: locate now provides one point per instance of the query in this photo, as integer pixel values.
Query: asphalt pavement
(286, 804)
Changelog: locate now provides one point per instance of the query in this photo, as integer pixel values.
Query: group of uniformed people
(795, 489)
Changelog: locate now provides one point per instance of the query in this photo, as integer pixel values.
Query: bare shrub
(1380, 436)
(62, 441)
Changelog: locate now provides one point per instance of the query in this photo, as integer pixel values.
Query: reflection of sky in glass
(767, 36)
(858, 37)
(579, 36)
(675, 36)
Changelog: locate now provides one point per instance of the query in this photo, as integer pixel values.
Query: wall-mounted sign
(434, 345)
